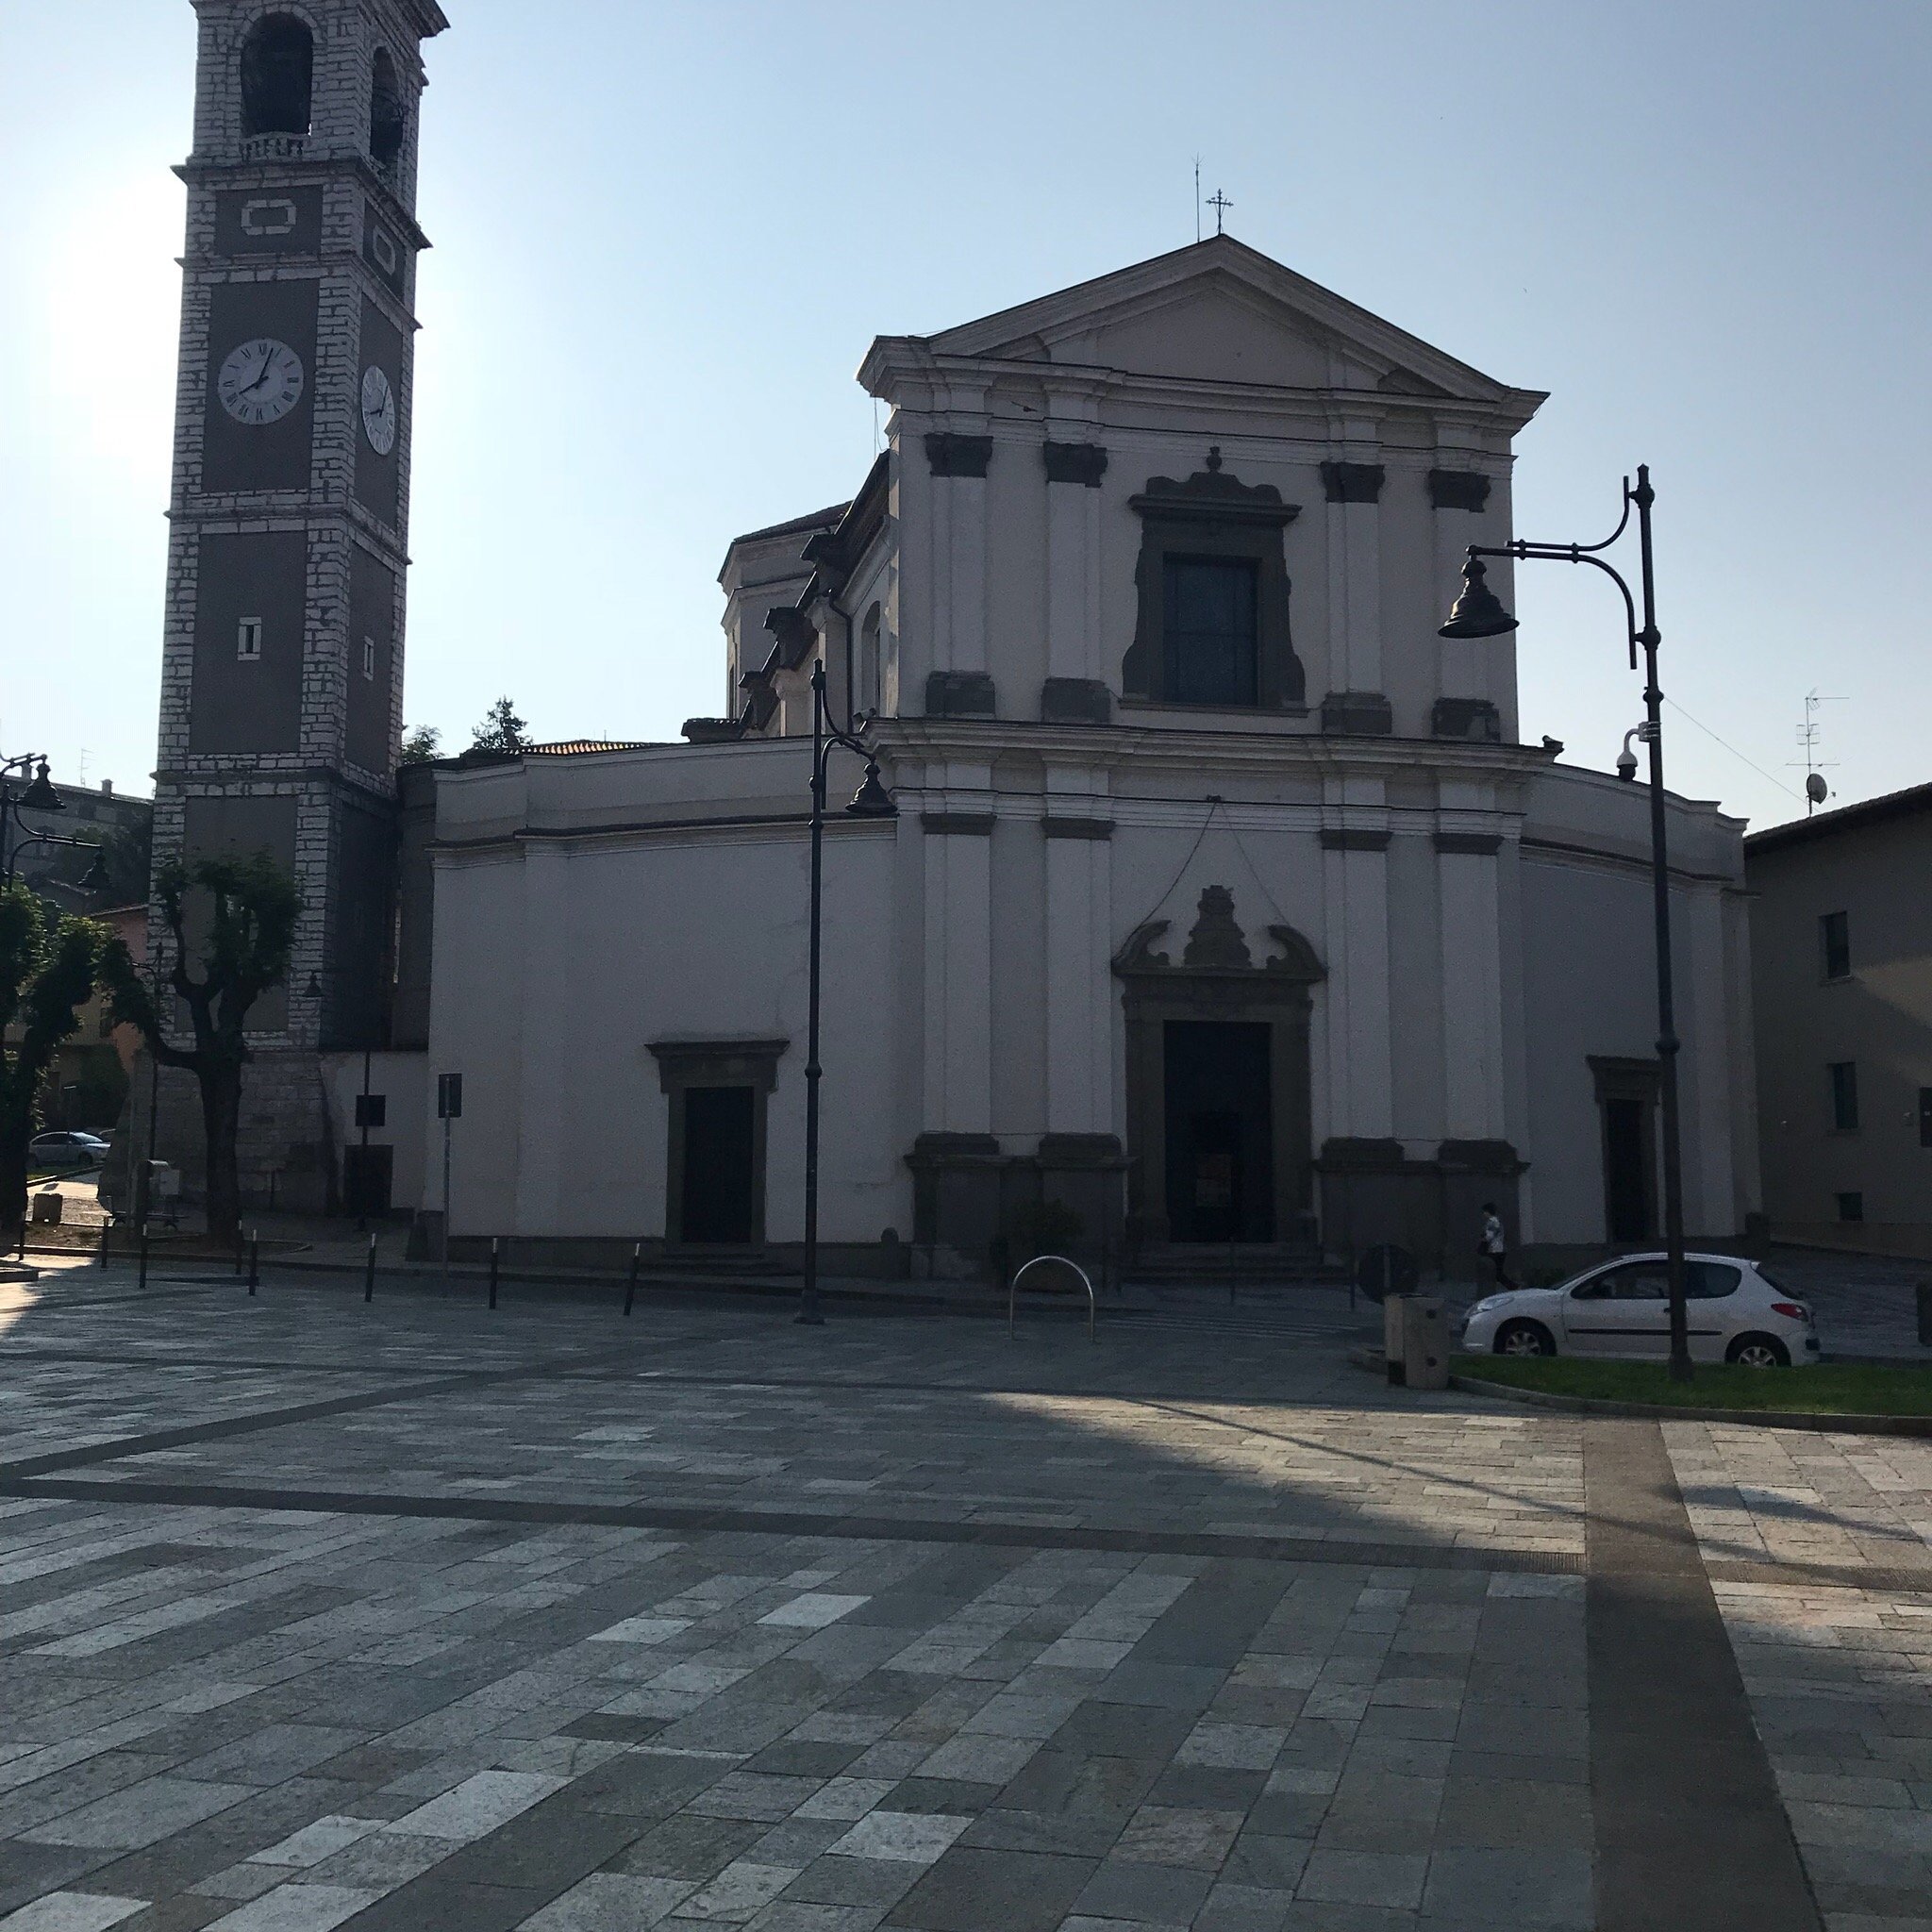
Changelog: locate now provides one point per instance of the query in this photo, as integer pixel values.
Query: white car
(1737, 1313)
(66, 1150)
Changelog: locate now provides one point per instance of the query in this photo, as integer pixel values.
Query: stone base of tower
(286, 1156)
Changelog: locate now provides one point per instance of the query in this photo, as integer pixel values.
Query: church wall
(558, 961)
(1021, 1041)
(1015, 564)
(1590, 983)
(984, 557)
(1415, 1005)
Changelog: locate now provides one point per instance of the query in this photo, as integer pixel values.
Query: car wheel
(1758, 1352)
(1524, 1337)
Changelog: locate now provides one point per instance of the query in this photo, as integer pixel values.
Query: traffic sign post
(449, 1107)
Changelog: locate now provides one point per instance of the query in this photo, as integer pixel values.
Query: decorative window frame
(1211, 515)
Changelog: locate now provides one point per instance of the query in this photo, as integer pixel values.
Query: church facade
(1223, 905)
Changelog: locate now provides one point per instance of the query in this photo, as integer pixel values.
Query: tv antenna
(1197, 197)
(1816, 790)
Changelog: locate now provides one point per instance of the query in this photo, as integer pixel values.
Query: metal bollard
(254, 1259)
(143, 1257)
(630, 1287)
(492, 1270)
(238, 1255)
(369, 1272)
(102, 1259)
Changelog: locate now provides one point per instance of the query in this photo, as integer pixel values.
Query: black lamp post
(871, 801)
(37, 795)
(1479, 614)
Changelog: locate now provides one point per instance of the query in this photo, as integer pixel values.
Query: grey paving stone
(1161, 1894)
(1233, 1907)
(970, 1890)
(1389, 1880)
(139, 1814)
(1545, 1886)
(837, 1880)
(1505, 1812)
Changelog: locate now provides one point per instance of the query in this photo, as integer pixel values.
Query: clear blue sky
(665, 234)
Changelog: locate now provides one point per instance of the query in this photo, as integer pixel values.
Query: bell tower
(282, 655)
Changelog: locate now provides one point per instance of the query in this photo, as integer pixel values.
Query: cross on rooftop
(1220, 204)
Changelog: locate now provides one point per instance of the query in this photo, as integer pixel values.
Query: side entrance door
(718, 1164)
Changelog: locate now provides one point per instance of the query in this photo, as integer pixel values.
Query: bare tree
(47, 964)
(252, 905)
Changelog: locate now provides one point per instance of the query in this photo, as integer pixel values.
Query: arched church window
(388, 116)
(869, 695)
(277, 64)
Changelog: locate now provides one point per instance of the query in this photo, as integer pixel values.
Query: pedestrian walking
(1495, 1245)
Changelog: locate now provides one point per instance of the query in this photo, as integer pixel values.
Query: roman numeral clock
(281, 703)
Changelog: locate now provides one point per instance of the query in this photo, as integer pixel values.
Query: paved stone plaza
(416, 1616)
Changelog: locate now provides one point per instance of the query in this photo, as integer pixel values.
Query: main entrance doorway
(1220, 1132)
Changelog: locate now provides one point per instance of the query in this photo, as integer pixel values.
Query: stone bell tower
(282, 659)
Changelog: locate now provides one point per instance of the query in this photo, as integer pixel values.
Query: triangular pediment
(1220, 311)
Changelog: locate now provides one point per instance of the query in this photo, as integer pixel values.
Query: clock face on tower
(260, 381)
(378, 411)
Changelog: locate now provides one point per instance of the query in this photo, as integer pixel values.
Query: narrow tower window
(369, 659)
(278, 59)
(387, 115)
(248, 640)
(869, 691)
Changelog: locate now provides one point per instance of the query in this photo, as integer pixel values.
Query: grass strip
(1827, 1389)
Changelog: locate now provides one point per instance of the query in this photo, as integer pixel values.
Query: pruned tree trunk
(14, 1135)
(221, 1119)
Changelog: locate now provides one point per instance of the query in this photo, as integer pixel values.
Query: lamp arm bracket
(1576, 553)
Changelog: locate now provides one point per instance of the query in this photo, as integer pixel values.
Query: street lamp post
(871, 801)
(38, 795)
(1479, 614)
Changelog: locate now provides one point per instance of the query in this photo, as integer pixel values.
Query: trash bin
(1415, 1338)
(47, 1206)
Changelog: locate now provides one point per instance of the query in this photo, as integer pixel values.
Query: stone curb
(1651, 1411)
(1372, 1361)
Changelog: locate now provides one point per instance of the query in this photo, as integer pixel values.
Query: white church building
(1223, 904)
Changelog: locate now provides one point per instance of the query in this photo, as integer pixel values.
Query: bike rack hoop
(1013, 1293)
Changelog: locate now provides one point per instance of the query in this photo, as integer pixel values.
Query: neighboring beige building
(1841, 965)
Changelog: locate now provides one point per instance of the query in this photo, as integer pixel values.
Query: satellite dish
(1816, 790)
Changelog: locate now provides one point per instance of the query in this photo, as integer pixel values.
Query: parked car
(66, 1150)
(1737, 1312)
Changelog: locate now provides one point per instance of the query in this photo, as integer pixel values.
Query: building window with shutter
(1835, 944)
(1844, 1095)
